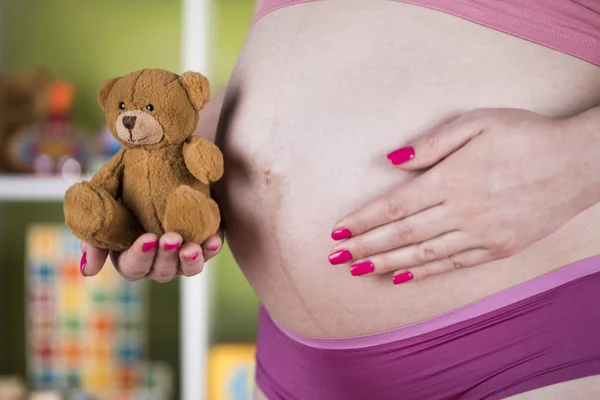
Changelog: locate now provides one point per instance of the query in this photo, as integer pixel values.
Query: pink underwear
(536, 334)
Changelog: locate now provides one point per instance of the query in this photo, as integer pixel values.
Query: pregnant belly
(320, 94)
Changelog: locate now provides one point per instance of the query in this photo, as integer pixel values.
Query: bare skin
(305, 141)
(305, 131)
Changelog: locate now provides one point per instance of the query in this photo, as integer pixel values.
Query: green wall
(90, 41)
(87, 42)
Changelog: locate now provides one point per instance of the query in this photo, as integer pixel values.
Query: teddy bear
(24, 102)
(160, 179)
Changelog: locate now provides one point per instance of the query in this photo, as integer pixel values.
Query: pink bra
(569, 26)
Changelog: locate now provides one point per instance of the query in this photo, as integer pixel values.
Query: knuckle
(134, 270)
(404, 233)
(357, 223)
(425, 272)
(394, 209)
(425, 253)
(164, 275)
(384, 265)
(453, 264)
(432, 142)
(503, 246)
(359, 248)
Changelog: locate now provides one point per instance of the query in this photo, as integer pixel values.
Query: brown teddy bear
(159, 181)
(24, 101)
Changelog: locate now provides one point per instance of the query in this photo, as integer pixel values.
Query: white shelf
(34, 188)
(194, 295)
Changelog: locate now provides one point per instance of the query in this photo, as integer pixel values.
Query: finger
(134, 263)
(413, 196)
(191, 260)
(92, 260)
(439, 143)
(212, 246)
(437, 248)
(166, 262)
(414, 229)
(455, 262)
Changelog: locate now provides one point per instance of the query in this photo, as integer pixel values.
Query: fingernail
(214, 248)
(340, 234)
(403, 277)
(362, 268)
(340, 257)
(83, 263)
(171, 247)
(148, 246)
(401, 155)
(190, 257)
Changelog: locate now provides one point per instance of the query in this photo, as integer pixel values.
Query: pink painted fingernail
(401, 155)
(341, 234)
(214, 248)
(190, 257)
(403, 277)
(172, 247)
(340, 257)
(82, 264)
(362, 268)
(148, 246)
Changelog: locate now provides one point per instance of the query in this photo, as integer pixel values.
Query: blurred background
(62, 336)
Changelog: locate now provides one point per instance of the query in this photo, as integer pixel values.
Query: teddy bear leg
(98, 219)
(192, 214)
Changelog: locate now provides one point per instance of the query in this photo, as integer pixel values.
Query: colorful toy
(44, 140)
(58, 148)
(24, 104)
(231, 372)
(12, 388)
(106, 147)
(160, 180)
(86, 336)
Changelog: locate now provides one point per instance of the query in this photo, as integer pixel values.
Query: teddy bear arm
(203, 159)
(109, 177)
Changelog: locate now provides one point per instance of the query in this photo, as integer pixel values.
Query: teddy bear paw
(84, 212)
(192, 214)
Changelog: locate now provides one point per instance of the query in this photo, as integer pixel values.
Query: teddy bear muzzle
(139, 128)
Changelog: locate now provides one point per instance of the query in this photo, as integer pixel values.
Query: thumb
(92, 260)
(437, 144)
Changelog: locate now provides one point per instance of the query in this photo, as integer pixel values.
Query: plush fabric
(159, 182)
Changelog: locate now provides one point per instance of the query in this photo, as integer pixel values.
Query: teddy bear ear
(105, 90)
(197, 87)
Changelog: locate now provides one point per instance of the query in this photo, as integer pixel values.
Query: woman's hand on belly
(160, 259)
(500, 180)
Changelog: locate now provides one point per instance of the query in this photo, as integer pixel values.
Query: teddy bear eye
(150, 107)
(122, 105)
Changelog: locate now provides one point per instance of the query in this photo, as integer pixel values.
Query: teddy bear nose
(129, 122)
